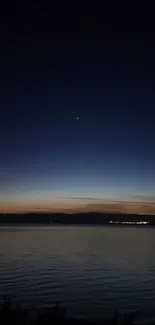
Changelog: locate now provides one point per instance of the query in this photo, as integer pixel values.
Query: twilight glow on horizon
(48, 200)
(77, 117)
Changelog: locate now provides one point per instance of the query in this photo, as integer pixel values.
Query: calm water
(91, 270)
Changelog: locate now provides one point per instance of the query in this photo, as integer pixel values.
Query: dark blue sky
(60, 63)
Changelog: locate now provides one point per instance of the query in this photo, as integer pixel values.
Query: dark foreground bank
(10, 314)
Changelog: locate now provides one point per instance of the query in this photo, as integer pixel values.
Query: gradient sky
(60, 63)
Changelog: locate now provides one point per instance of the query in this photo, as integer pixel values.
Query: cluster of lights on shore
(130, 222)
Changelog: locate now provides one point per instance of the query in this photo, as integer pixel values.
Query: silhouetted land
(57, 315)
(72, 219)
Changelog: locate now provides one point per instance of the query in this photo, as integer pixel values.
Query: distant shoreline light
(129, 222)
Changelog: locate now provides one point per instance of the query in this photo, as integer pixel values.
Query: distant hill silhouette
(76, 218)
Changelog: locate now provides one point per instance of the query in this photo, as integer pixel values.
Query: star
(77, 118)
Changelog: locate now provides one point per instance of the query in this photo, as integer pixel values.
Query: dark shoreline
(57, 315)
(76, 219)
(6, 225)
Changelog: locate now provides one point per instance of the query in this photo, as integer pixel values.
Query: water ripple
(90, 273)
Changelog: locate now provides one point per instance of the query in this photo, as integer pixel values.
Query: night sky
(77, 103)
